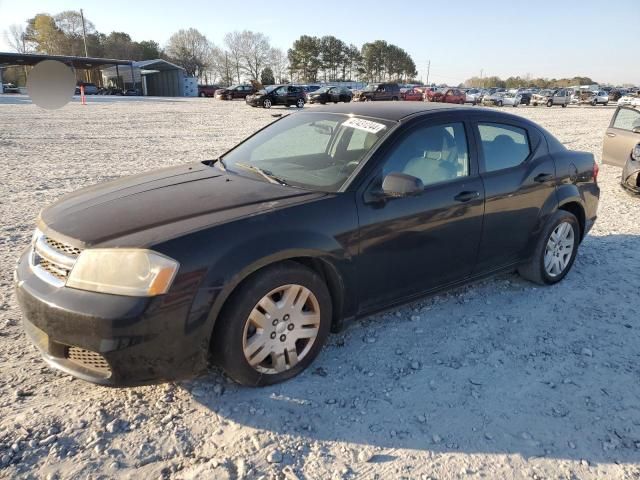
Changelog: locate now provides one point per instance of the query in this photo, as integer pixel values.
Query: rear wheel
(555, 250)
(564, 105)
(274, 325)
(300, 103)
(395, 99)
(202, 94)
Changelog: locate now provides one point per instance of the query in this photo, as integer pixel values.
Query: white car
(629, 100)
(501, 98)
(472, 96)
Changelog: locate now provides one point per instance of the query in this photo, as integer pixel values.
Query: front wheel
(202, 94)
(564, 105)
(274, 326)
(555, 250)
(500, 103)
(266, 103)
(300, 103)
(550, 103)
(394, 99)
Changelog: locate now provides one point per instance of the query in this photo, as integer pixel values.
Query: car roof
(394, 111)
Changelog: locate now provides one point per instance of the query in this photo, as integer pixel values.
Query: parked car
(472, 96)
(207, 90)
(377, 92)
(330, 94)
(132, 92)
(286, 95)
(551, 97)
(614, 95)
(412, 95)
(235, 91)
(447, 95)
(255, 256)
(310, 88)
(89, 88)
(10, 88)
(629, 100)
(621, 146)
(525, 98)
(502, 98)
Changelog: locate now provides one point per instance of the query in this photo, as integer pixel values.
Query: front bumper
(110, 339)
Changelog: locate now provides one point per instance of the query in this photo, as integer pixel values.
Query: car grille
(88, 359)
(52, 260)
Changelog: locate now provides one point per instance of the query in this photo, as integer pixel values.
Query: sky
(461, 39)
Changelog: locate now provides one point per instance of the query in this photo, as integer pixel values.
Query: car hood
(151, 207)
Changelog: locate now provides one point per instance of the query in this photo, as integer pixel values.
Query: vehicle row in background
(285, 95)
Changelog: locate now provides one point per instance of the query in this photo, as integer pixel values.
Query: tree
(279, 64)
(191, 50)
(17, 38)
(149, 50)
(45, 35)
(234, 43)
(331, 56)
(119, 45)
(304, 58)
(254, 53)
(266, 77)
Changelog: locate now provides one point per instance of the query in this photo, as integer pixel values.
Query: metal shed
(156, 77)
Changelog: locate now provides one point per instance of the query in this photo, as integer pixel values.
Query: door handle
(543, 177)
(609, 134)
(466, 196)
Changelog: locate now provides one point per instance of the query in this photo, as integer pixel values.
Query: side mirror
(397, 184)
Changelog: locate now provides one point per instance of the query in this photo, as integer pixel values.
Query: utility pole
(428, 70)
(84, 34)
(481, 80)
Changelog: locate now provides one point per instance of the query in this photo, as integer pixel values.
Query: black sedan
(323, 216)
(286, 95)
(330, 94)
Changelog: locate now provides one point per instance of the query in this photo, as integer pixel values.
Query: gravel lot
(501, 379)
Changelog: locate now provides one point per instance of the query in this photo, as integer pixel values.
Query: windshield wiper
(269, 176)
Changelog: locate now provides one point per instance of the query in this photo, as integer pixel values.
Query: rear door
(620, 139)
(519, 176)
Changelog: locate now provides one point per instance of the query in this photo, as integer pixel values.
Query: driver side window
(433, 154)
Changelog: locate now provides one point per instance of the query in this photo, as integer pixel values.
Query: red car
(447, 95)
(207, 90)
(412, 95)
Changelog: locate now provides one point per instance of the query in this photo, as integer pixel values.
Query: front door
(620, 138)
(519, 176)
(414, 244)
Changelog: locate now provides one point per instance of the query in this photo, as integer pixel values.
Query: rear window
(503, 146)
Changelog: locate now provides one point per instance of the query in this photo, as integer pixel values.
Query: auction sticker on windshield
(362, 124)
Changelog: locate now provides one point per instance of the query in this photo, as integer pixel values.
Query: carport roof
(8, 59)
(157, 64)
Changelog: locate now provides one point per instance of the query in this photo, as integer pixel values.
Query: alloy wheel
(281, 329)
(267, 103)
(557, 254)
(300, 103)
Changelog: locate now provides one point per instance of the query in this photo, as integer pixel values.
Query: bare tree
(191, 50)
(279, 64)
(17, 37)
(254, 53)
(234, 43)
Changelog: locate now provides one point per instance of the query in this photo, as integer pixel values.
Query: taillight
(596, 170)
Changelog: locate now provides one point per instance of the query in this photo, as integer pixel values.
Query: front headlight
(635, 153)
(121, 271)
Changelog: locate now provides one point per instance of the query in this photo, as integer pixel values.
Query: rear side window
(503, 146)
(626, 119)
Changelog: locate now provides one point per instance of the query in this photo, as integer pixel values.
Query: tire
(234, 330)
(605, 103)
(394, 99)
(594, 103)
(500, 103)
(550, 103)
(535, 104)
(202, 94)
(534, 270)
(266, 103)
(564, 105)
(300, 103)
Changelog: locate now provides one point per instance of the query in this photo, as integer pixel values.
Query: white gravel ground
(501, 379)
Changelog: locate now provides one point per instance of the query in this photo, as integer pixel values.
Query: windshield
(316, 151)
(372, 87)
(546, 92)
(323, 90)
